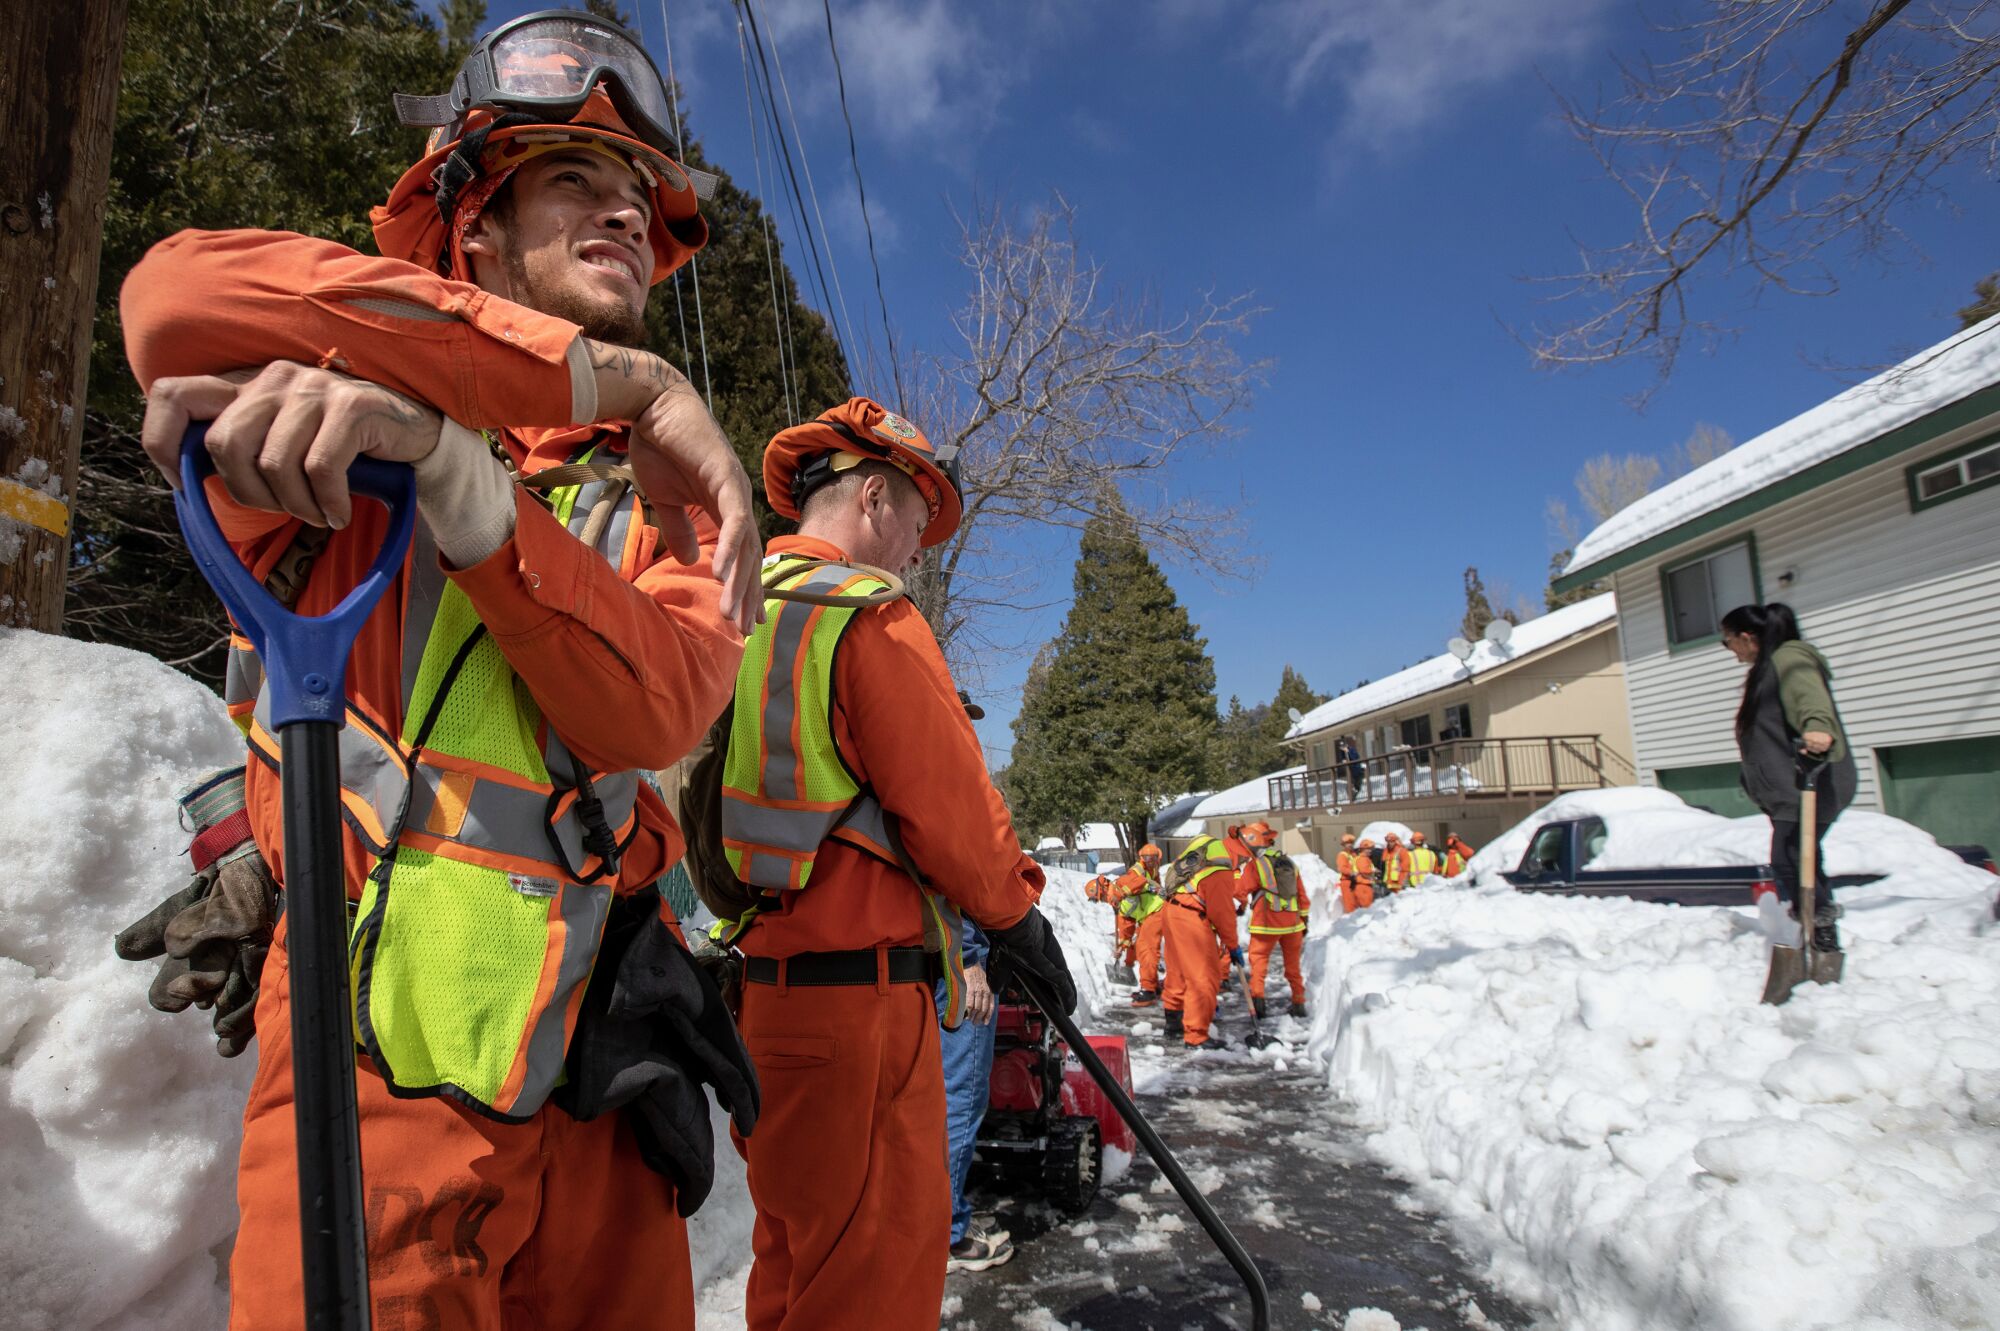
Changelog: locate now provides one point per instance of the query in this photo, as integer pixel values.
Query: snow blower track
(1330, 1230)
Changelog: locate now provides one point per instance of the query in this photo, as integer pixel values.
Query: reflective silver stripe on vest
(367, 767)
(243, 677)
(781, 759)
(420, 607)
(796, 830)
(583, 910)
(867, 817)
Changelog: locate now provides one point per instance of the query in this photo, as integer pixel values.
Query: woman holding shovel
(1793, 744)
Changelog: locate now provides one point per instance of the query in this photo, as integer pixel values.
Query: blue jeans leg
(968, 1068)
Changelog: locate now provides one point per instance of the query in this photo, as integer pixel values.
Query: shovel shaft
(1253, 1279)
(333, 1245)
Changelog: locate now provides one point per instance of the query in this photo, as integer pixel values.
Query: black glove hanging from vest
(1029, 945)
(652, 1030)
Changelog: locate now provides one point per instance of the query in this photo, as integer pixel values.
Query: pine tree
(1478, 611)
(1985, 301)
(1123, 712)
(1241, 743)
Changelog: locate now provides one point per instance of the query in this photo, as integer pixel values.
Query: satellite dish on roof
(1459, 647)
(1293, 715)
(1498, 631)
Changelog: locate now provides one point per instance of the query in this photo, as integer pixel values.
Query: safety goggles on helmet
(546, 64)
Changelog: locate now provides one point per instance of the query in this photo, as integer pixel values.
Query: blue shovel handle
(304, 656)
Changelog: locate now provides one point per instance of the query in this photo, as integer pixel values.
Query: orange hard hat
(1364, 844)
(1259, 834)
(1347, 838)
(799, 460)
(1416, 837)
(1149, 849)
(412, 225)
(1389, 837)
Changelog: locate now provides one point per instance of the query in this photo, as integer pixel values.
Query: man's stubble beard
(600, 322)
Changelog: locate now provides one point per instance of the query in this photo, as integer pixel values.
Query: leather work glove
(1030, 946)
(216, 931)
(652, 1030)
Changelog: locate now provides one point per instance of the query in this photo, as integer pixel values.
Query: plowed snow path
(1329, 1229)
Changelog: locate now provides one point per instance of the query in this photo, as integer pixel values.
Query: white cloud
(1399, 65)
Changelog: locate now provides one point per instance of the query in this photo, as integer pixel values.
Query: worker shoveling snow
(119, 1125)
(1593, 1092)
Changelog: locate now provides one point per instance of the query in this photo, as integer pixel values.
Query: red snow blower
(1047, 1123)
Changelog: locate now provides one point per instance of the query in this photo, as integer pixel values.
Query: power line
(854, 156)
(694, 262)
(812, 190)
(791, 169)
(779, 324)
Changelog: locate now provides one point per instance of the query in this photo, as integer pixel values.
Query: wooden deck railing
(1459, 769)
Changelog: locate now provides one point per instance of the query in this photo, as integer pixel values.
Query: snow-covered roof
(1252, 796)
(1444, 670)
(1935, 378)
(1176, 816)
(1097, 836)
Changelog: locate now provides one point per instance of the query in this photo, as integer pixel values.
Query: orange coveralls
(630, 670)
(1357, 879)
(1200, 925)
(1141, 940)
(847, 1166)
(1456, 853)
(1396, 868)
(1271, 928)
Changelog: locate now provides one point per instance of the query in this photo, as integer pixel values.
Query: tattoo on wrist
(635, 366)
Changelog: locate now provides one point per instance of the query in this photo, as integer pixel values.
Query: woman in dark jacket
(1788, 714)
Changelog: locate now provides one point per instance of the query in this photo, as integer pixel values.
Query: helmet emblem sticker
(895, 425)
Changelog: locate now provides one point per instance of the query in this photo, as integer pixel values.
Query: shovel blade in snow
(1790, 969)
(1788, 972)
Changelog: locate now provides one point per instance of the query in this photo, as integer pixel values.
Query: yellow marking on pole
(24, 503)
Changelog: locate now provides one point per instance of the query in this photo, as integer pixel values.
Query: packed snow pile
(1084, 928)
(119, 1125)
(1647, 828)
(1592, 1090)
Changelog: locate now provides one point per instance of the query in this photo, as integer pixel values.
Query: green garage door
(1951, 789)
(1717, 787)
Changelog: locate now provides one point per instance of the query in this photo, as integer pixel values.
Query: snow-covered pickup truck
(1557, 858)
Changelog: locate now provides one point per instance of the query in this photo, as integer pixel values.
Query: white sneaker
(985, 1222)
(979, 1252)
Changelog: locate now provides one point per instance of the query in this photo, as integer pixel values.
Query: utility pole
(59, 64)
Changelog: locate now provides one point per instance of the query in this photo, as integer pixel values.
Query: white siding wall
(1905, 605)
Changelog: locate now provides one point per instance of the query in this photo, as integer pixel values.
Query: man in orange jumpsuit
(1201, 932)
(1396, 865)
(1139, 904)
(1362, 884)
(1456, 855)
(1279, 911)
(503, 310)
(1343, 868)
(1424, 862)
(847, 1166)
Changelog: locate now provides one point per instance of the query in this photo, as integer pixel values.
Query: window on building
(1458, 721)
(1417, 731)
(1318, 758)
(1975, 468)
(1701, 591)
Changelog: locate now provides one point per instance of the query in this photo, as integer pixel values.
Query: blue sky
(1380, 175)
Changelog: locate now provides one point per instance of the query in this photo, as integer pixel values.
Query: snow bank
(118, 1124)
(1591, 1090)
(1084, 928)
(1252, 796)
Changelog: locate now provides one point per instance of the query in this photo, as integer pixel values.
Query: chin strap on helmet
(464, 165)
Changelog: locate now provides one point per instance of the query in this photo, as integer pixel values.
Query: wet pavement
(1330, 1230)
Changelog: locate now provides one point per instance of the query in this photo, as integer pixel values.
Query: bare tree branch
(1058, 392)
(1782, 128)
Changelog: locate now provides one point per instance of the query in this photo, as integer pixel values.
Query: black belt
(906, 965)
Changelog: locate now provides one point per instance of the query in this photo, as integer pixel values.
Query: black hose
(1253, 1279)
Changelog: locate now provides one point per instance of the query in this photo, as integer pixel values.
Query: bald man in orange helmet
(494, 338)
(856, 801)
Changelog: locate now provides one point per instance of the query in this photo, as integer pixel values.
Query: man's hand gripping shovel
(1794, 966)
(305, 665)
(1253, 1279)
